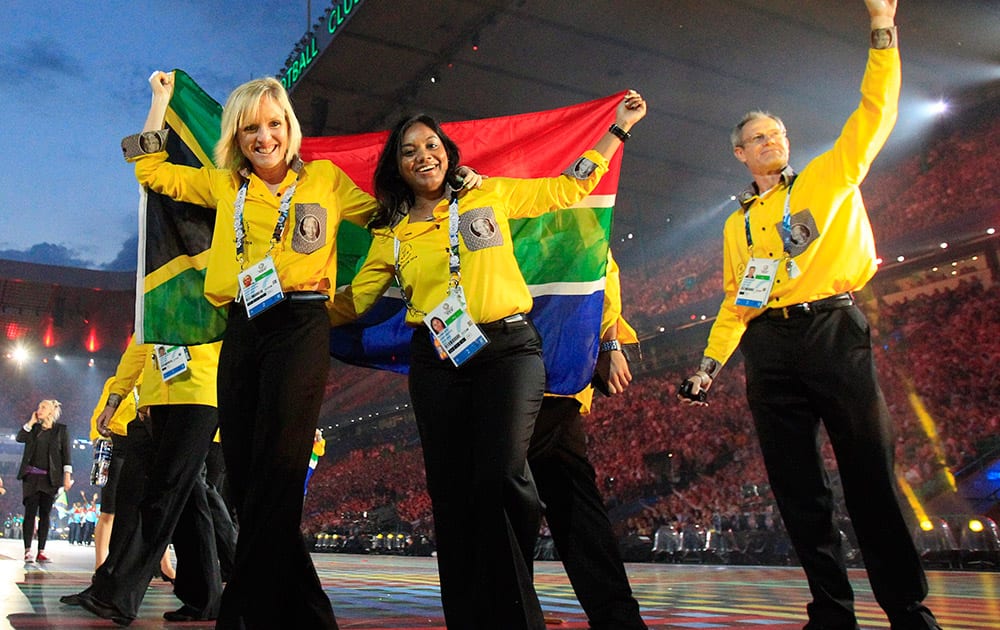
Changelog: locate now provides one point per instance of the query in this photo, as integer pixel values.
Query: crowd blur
(701, 471)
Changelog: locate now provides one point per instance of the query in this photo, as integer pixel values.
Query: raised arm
(882, 12)
(162, 85)
(630, 111)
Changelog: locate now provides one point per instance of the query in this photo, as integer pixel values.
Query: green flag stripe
(199, 111)
(572, 242)
(182, 297)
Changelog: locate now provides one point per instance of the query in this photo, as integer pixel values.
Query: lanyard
(786, 222)
(454, 263)
(239, 227)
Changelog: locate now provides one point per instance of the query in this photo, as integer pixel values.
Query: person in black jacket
(45, 465)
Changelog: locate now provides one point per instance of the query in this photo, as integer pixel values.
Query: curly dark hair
(393, 194)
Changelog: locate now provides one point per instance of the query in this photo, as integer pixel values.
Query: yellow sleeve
(129, 369)
(356, 205)
(534, 197)
(731, 321)
(177, 181)
(612, 310)
(376, 274)
(612, 313)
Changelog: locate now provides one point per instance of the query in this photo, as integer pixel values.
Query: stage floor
(388, 592)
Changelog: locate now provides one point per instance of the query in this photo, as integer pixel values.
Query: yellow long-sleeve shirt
(195, 386)
(842, 256)
(492, 281)
(124, 414)
(306, 257)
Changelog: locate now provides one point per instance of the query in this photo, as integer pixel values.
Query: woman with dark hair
(46, 464)
(477, 385)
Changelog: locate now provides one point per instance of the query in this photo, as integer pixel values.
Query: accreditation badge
(171, 360)
(756, 284)
(260, 288)
(453, 331)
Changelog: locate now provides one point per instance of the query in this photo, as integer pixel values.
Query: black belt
(307, 296)
(809, 309)
(518, 319)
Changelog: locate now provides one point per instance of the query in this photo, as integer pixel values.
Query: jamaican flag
(174, 237)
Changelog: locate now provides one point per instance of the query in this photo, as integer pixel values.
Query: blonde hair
(56, 408)
(243, 105)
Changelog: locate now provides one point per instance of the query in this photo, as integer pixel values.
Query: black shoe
(185, 613)
(163, 576)
(104, 611)
(71, 600)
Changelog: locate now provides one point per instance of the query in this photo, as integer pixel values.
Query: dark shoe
(165, 578)
(104, 611)
(71, 600)
(185, 613)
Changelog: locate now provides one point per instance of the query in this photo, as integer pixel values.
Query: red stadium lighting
(92, 343)
(15, 331)
(49, 336)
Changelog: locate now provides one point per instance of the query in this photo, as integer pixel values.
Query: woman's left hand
(631, 110)
(470, 178)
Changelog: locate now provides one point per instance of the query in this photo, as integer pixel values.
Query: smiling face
(763, 146)
(423, 160)
(263, 140)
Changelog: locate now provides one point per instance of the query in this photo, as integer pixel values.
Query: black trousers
(222, 515)
(37, 502)
(272, 374)
(164, 459)
(475, 423)
(579, 523)
(808, 370)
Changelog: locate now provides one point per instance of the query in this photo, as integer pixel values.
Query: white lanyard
(238, 225)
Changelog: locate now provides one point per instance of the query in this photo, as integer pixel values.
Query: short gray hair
(736, 136)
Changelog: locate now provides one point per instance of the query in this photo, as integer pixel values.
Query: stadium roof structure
(66, 310)
(700, 64)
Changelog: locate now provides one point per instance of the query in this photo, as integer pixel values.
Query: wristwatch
(608, 346)
(144, 143)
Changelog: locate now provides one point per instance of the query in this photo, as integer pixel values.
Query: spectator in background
(319, 449)
(46, 464)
